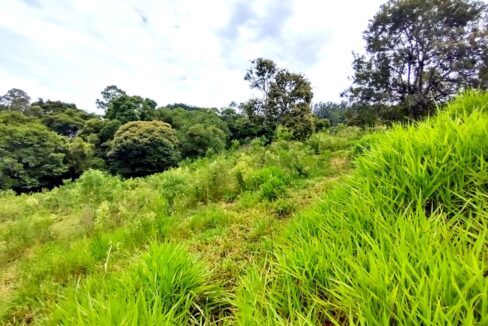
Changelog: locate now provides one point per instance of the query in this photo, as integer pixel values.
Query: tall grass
(403, 241)
(165, 286)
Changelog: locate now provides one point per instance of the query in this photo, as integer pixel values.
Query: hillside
(348, 227)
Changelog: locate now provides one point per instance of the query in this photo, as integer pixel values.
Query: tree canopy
(109, 94)
(31, 156)
(127, 108)
(15, 100)
(421, 52)
(286, 98)
(143, 147)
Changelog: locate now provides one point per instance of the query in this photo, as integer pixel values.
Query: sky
(175, 51)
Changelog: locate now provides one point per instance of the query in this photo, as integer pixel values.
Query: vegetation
(286, 99)
(225, 210)
(276, 211)
(419, 54)
(143, 147)
(32, 155)
(244, 238)
(403, 241)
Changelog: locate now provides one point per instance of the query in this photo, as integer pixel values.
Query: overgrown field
(345, 228)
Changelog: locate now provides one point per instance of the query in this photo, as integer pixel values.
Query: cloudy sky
(189, 51)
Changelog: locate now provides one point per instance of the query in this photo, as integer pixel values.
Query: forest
(275, 211)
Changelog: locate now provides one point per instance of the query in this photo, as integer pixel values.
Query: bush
(143, 147)
(284, 207)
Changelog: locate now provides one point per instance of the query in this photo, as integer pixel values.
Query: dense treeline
(45, 142)
(418, 55)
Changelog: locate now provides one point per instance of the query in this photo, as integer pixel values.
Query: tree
(99, 133)
(127, 108)
(31, 156)
(335, 113)
(289, 103)
(41, 107)
(15, 100)
(200, 139)
(81, 156)
(240, 127)
(421, 52)
(140, 148)
(109, 93)
(261, 75)
(286, 99)
(183, 106)
(67, 123)
(64, 118)
(199, 130)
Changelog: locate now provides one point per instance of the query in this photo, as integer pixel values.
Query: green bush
(284, 207)
(141, 148)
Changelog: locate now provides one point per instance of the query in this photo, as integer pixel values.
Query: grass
(346, 228)
(403, 241)
(220, 208)
(165, 286)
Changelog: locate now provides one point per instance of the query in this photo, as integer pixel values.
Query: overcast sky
(188, 51)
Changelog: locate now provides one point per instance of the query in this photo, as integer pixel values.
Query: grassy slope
(226, 211)
(401, 240)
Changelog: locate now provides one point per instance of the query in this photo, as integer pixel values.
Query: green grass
(403, 241)
(165, 286)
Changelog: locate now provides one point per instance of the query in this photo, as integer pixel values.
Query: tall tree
(286, 98)
(16, 100)
(109, 93)
(261, 75)
(421, 52)
(127, 108)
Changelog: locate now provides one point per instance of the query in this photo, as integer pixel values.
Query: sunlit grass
(402, 242)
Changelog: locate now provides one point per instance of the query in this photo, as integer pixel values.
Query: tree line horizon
(418, 55)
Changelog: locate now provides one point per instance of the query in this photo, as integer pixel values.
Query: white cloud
(188, 51)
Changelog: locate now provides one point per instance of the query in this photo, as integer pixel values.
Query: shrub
(143, 147)
(284, 207)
